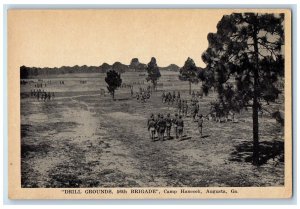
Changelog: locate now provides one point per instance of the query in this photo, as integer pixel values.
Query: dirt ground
(85, 139)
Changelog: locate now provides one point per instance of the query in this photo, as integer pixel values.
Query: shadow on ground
(268, 150)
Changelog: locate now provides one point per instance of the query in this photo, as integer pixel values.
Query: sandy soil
(88, 140)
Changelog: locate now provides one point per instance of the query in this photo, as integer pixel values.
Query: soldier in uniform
(179, 106)
(169, 98)
(186, 108)
(151, 127)
(161, 127)
(173, 97)
(174, 121)
(163, 97)
(168, 125)
(156, 124)
(180, 126)
(200, 124)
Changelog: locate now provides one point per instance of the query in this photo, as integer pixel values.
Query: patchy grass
(83, 139)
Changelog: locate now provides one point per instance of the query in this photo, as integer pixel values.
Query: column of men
(143, 94)
(162, 126)
(42, 95)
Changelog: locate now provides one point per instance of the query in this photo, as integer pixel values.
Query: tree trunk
(190, 84)
(113, 95)
(255, 105)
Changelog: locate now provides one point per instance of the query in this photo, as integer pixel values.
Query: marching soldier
(180, 125)
(163, 97)
(200, 124)
(168, 125)
(174, 121)
(151, 127)
(185, 108)
(161, 127)
(179, 106)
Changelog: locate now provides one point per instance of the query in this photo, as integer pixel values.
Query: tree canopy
(189, 72)
(113, 80)
(153, 72)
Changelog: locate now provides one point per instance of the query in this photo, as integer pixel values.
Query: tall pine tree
(244, 61)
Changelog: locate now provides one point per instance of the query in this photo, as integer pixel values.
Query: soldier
(185, 108)
(151, 127)
(169, 98)
(49, 96)
(163, 97)
(174, 121)
(161, 127)
(168, 125)
(179, 106)
(131, 91)
(173, 97)
(194, 110)
(200, 124)
(193, 94)
(180, 126)
(156, 124)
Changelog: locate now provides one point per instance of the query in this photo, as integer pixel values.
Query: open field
(84, 139)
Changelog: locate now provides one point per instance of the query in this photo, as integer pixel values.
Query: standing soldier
(186, 108)
(161, 127)
(163, 97)
(169, 98)
(157, 124)
(131, 91)
(193, 94)
(151, 127)
(178, 95)
(179, 106)
(200, 124)
(174, 121)
(174, 97)
(53, 95)
(168, 125)
(180, 126)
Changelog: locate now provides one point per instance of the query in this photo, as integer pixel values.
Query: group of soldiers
(143, 94)
(170, 98)
(42, 95)
(83, 82)
(161, 125)
(40, 85)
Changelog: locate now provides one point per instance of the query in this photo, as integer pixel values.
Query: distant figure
(168, 125)
(200, 124)
(180, 125)
(174, 121)
(151, 127)
(179, 106)
(185, 109)
(178, 97)
(131, 92)
(161, 127)
(163, 97)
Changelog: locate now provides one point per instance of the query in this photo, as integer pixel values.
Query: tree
(153, 72)
(244, 61)
(23, 72)
(114, 81)
(189, 72)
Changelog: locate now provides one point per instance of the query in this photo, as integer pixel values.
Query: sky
(54, 38)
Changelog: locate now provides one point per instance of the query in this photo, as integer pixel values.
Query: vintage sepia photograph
(187, 100)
